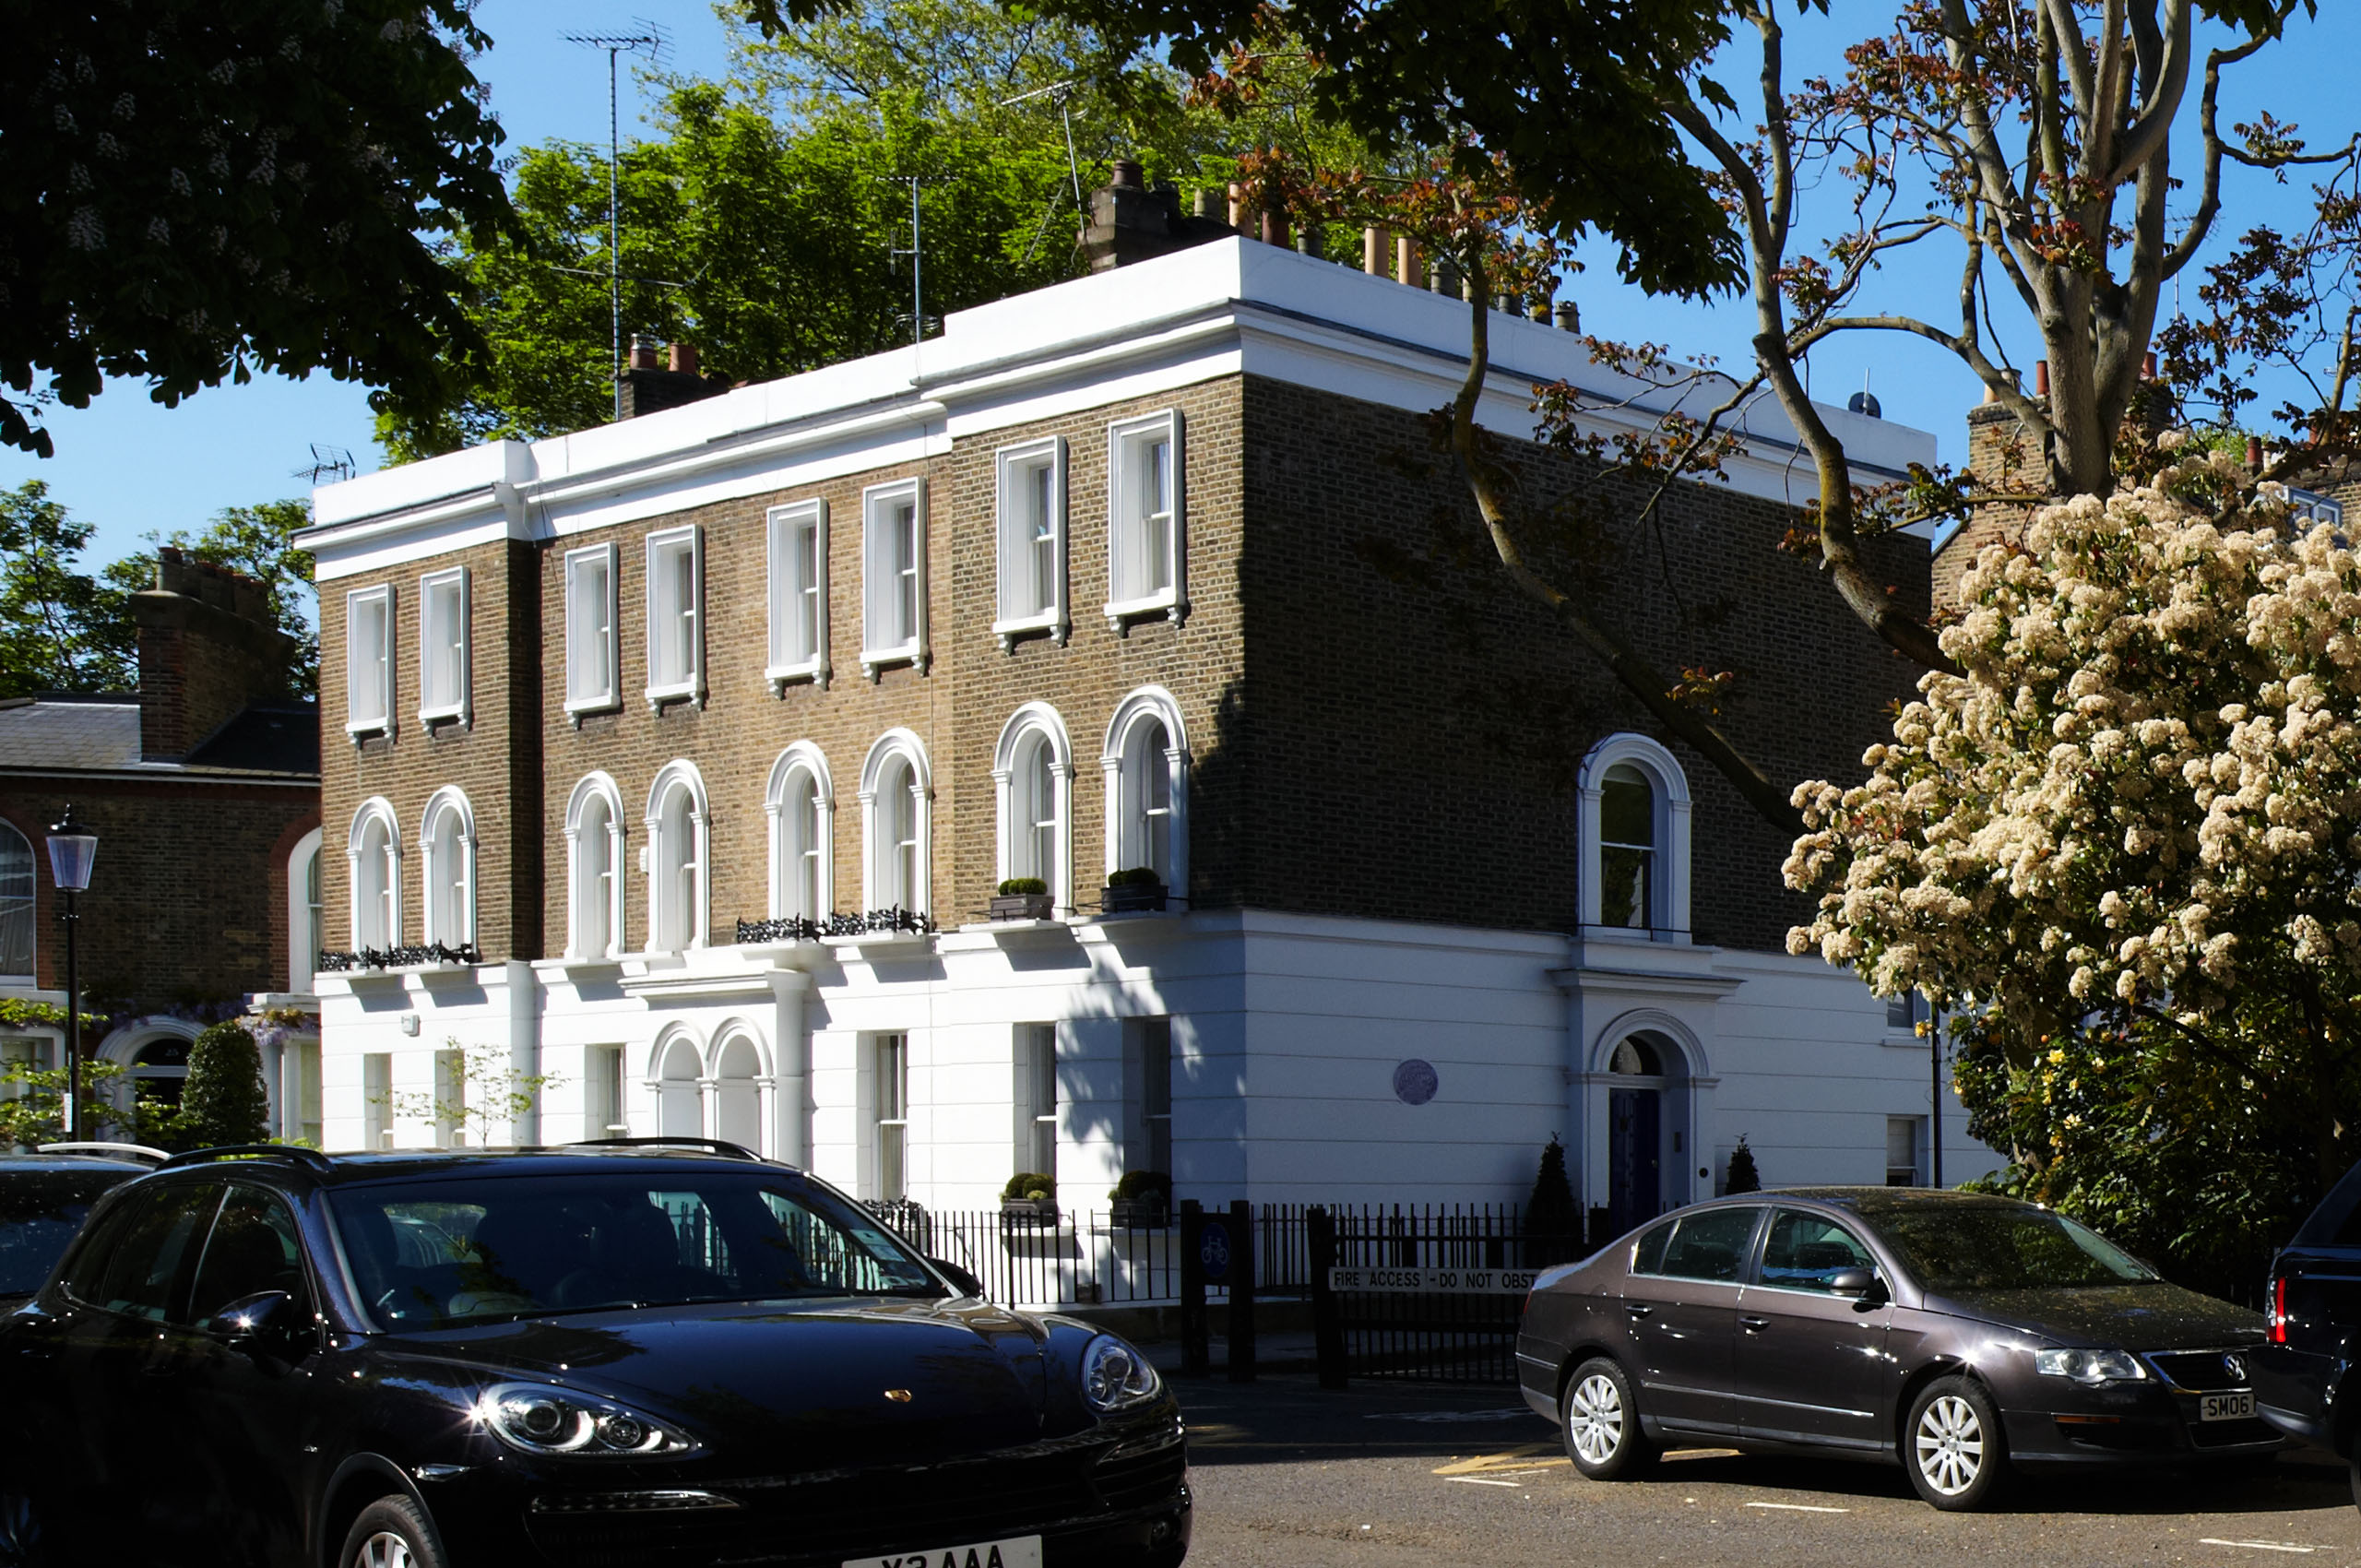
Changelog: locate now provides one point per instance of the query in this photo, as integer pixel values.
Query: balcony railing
(873, 922)
(332, 962)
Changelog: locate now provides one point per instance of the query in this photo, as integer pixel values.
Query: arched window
(1146, 765)
(306, 933)
(594, 847)
(1634, 834)
(1033, 771)
(895, 789)
(800, 803)
(16, 906)
(447, 869)
(375, 850)
(679, 1108)
(678, 844)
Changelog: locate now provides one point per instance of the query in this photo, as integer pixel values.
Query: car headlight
(2089, 1366)
(545, 1420)
(1114, 1375)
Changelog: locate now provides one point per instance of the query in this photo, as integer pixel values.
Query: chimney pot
(2148, 366)
(1570, 316)
(1126, 175)
(1275, 228)
(643, 352)
(2254, 453)
(1540, 311)
(1204, 204)
(2041, 378)
(1406, 261)
(1373, 251)
(684, 358)
(1237, 207)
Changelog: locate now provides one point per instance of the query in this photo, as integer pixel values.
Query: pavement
(1285, 1350)
(1402, 1475)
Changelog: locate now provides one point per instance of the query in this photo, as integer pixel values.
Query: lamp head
(72, 849)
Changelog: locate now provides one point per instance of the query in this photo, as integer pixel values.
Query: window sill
(1636, 935)
(659, 697)
(361, 731)
(874, 660)
(785, 676)
(1120, 613)
(1012, 632)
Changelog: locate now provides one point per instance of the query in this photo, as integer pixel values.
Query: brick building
(205, 794)
(679, 762)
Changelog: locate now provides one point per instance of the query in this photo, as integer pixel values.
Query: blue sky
(132, 468)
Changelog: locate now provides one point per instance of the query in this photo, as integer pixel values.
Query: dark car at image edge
(1961, 1335)
(2307, 1376)
(587, 1358)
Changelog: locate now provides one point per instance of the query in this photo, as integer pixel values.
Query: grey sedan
(1958, 1334)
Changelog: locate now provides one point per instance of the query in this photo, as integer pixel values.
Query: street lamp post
(72, 849)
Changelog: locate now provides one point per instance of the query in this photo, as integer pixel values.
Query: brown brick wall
(2006, 456)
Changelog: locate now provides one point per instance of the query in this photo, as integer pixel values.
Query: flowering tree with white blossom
(2124, 844)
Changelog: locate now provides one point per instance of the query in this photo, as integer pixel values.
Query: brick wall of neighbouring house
(1412, 745)
(2008, 456)
(495, 758)
(188, 895)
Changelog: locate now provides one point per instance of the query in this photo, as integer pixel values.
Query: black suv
(2307, 1375)
(627, 1355)
(43, 1198)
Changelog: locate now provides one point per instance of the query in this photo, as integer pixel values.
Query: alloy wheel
(384, 1550)
(1951, 1444)
(1594, 1418)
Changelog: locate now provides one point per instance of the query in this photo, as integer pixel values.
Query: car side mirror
(264, 1321)
(1866, 1289)
(967, 1284)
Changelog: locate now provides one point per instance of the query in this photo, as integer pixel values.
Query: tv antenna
(329, 463)
(1061, 94)
(650, 41)
(918, 272)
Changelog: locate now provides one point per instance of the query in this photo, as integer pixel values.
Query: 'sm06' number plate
(2225, 1407)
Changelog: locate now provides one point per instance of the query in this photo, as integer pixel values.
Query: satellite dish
(1864, 402)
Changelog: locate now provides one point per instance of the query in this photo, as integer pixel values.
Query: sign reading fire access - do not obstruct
(1433, 1281)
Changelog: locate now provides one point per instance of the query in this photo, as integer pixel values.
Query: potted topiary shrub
(1031, 1200)
(1024, 898)
(1136, 891)
(1141, 1201)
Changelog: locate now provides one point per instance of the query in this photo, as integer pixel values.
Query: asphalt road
(1289, 1476)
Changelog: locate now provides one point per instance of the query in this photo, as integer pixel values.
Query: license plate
(1018, 1552)
(2214, 1408)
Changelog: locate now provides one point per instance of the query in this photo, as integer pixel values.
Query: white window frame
(32, 905)
(1668, 920)
(1032, 1056)
(1125, 439)
(880, 1049)
(800, 760)
(1035, 719)
(432, 875)
(610, 698)
(596, 787)
(793, 602)
(376, 809)
(303, 915)
(679, 775)
(880, 579)
(431, 649)
(1157, 704)
(664, 543)
(1014, 542)
(876, 868)
(356, 724)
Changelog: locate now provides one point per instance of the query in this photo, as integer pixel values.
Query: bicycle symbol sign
(1213, 1250)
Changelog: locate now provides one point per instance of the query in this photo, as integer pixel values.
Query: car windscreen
(483, 1245)
(1950, 1249)
(39, 1212)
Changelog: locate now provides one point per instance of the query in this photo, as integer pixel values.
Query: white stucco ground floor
(1274, 1058)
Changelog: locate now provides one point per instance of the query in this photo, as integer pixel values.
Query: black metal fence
(1423, 1291)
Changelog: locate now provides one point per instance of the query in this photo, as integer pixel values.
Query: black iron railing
(871, 923)
(399, 957)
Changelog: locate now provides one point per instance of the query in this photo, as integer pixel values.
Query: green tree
(1742, 1176)
(62, 629)
(194, 191)
(1553, 1225)
(32, 1108)
(224, 1101)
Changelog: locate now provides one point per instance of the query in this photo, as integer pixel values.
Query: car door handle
(1638, 1309)
(1754, 1325)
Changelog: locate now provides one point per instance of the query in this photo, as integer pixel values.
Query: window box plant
(1141, 1201)
(1029, 1201)
(1136, 891)
(1024, 898)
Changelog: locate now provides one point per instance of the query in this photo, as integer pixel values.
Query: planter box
(1134, 899)
(1024, 906)
(1139, 1214)
(1028, 1214)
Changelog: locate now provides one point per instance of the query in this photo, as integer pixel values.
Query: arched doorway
(738, 1110)
(1635, 1129)
(678, 1114)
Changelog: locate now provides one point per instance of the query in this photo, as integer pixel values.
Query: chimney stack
(208, 649)
(649, 388)
(1130, 221)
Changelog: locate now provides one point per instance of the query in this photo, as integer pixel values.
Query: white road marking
(1809, 1508)
(1447, 1415)
(2257, 1545)
(1480, 1480)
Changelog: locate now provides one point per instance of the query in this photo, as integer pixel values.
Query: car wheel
(1952, 1446)
(391, 1533)
(1602, 1423)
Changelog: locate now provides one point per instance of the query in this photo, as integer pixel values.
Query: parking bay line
(1517, 1458)
(1481, 1480)
(1812, 1508)
(2257, 1545)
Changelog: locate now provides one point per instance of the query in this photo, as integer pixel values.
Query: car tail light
(2278, 1308)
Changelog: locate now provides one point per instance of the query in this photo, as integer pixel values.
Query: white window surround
(1036, 720)
(893, 589)
(675, 616)
(1668, 920)
(446, 859)
(593, 648)
(1019, 544)
(19, 929)
(798, 603)
(876, 870)
(1131, 532)
(446, 648)
(1148, 704)
(376, 889)
(801, 760)
(369, 662)
(670, 875)
(306, 925)
(581, 863)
